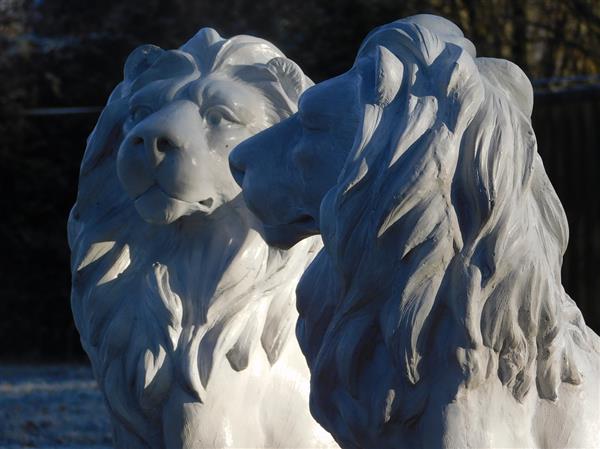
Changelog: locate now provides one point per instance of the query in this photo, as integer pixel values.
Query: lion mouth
(158, 207)
(207, 203)
(285, 235)
(303, 220)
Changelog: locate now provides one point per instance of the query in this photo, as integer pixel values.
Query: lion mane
(162, 305)
(443, 243)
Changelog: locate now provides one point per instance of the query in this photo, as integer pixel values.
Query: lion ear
(290, 76)
(388, 76)
(140, 60)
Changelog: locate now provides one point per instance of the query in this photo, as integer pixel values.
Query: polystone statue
(185, 313)
(434, 317)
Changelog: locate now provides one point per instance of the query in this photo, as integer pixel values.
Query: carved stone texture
(435, 315)
(186, 314)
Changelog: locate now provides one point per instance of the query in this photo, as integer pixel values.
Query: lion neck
(206, 255)
(184, 300)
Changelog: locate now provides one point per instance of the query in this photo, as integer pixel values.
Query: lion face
(173, 159)
(286, 171)
(182, 111)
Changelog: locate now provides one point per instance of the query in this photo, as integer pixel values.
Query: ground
(56, 406)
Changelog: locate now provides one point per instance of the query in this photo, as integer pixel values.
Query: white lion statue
(435, 316)
(186, 314)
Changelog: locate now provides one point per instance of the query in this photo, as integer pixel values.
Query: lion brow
(236, 100)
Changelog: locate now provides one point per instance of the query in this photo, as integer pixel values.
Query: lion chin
(184, 311)
(434, 317)
(156, 207)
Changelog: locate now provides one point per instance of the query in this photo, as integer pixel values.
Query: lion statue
(434, 317)
(184, 311)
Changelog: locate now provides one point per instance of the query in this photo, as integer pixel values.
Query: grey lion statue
(186, 314)
(434, 317)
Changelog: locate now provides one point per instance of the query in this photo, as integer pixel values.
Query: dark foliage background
(61, 53)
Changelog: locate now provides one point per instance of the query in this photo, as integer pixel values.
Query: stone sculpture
(434, 317)
(186, 314)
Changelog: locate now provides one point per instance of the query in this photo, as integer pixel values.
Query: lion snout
(237, 168)
(156, 144)
(167, 147)
(157, 139)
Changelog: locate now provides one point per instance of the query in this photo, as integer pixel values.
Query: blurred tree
(547, 38)
(12, 18)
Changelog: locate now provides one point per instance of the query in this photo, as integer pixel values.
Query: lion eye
(214, 117)
(218, 116)
(139, 113)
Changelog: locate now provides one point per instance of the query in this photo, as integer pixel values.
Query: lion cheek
(132, 172)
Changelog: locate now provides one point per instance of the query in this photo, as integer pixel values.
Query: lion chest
(259, 406)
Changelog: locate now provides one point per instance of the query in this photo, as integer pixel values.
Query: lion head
(443, 235)
(171, 281)
(186, 109)
(294, 163)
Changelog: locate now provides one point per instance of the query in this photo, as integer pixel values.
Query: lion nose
(155, 147)
(162, 144)
(236, 166)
